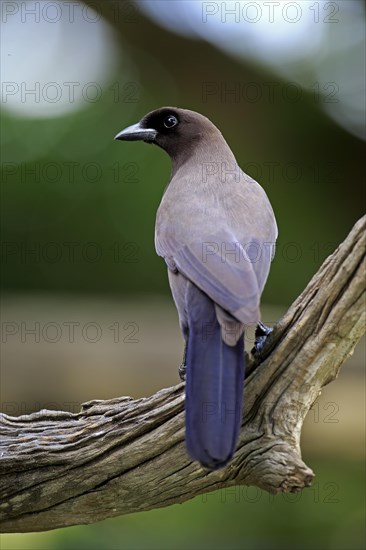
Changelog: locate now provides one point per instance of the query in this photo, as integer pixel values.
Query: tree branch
(124, 455)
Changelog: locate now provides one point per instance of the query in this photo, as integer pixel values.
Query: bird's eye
(170, 121)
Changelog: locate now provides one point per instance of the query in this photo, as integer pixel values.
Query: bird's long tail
(214, 385)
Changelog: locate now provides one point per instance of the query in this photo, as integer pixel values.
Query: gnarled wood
(126, 455)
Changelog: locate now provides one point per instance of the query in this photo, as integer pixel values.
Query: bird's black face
(164, 121)
(168, 127)
(153, 127)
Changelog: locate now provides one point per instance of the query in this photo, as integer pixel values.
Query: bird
(216, 230)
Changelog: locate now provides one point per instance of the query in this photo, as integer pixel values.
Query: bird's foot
(261, 334)
(182, 372)
(183, 368)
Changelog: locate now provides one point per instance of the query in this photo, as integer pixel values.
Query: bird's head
(174, 130)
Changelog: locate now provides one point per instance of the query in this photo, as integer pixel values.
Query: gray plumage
(215, 229)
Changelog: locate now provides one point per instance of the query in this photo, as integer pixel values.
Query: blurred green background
(86, 308)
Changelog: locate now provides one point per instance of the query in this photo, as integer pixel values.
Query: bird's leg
(183, 368)
(261, 334)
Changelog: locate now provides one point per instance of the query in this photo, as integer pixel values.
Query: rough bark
(124, 455)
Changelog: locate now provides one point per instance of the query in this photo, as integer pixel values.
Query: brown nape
(194, 136)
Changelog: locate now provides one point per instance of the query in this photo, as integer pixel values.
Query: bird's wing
(221, 267)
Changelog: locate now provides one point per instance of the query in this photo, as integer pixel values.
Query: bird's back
(223, 209)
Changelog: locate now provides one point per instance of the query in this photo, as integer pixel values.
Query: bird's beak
(136, 132)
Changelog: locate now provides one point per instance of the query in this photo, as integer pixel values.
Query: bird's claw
(261, 334)
(182, 372)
